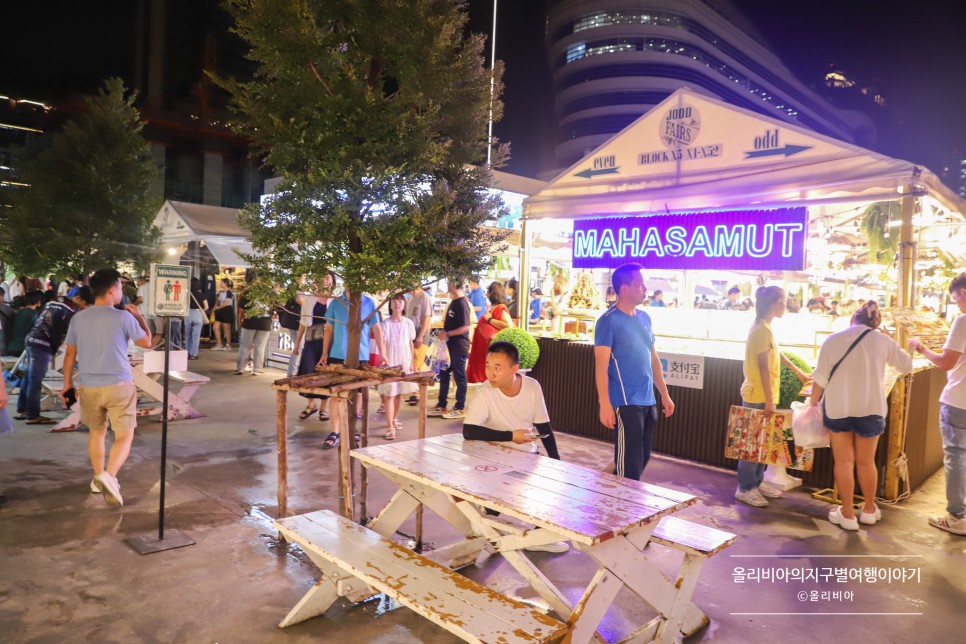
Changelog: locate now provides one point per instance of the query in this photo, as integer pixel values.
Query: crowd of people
(95, 318)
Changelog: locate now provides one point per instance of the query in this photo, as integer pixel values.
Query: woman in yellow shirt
(761, 386)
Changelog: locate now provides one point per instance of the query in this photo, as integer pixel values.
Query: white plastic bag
(438, 356)
(808, 426)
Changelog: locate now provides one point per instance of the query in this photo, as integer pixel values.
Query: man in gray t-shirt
(97, 339)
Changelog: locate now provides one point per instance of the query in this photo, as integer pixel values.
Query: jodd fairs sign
(735, 240)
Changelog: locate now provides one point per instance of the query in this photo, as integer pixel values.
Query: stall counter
(696, 431)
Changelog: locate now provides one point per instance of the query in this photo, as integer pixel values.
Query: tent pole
(523, 294)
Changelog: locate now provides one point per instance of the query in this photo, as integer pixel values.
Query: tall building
(22, 120)
(613, 60)
(187, 115)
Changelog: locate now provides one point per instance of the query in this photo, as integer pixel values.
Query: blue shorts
(864, 426)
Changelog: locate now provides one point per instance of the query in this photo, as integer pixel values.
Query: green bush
(790, 384)
(525, 343)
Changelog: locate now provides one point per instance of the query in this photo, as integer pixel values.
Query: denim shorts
(864, 426)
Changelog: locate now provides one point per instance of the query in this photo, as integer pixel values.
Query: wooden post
(897, 436)
(423, 392)
(281, 409)
(907, 251)
(363, 442)
(345, 467)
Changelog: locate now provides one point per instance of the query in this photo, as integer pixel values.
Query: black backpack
(288, 316)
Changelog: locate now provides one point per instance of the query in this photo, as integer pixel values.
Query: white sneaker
(835, 516)
(751, 497)
(110, 489)
(949, 523)
(453, 414)
(871, 518)
(555, 547)
(770, 492)
(97, 490)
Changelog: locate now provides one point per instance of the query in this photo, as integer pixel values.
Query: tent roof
(225, 251)
(180, 221)
(691, 152)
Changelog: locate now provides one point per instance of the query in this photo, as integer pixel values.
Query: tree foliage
(87, 205)
(875, 223)
(374, 113)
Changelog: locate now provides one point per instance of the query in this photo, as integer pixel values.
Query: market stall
(701, 187)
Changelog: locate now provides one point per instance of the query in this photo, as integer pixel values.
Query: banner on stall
(683, 371)
(756, 240)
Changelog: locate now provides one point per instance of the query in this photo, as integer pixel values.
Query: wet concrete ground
(67, 575)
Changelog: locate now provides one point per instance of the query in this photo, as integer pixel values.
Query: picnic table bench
(150, 396)
(609, 518)
(357, 563)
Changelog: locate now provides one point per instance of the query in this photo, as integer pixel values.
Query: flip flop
(42, 420)
(305, 413)
(332, 440)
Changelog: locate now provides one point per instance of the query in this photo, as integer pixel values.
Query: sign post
(170, 289)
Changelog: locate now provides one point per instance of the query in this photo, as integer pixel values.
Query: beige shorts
(419, 357)
(115, 402)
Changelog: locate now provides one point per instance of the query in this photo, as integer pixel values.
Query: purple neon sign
(761, 240)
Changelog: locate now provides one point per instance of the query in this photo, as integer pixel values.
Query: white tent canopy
(215, 227)
(691, 152)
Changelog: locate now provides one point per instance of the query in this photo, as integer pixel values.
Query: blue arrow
(588, 173)
(787, 151)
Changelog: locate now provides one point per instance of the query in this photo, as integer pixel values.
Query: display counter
(696, 431)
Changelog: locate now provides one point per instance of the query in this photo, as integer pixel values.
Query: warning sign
(170, 289)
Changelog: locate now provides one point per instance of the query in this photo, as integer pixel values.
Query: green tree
(87, 205)
(374, 113)
(876, 224)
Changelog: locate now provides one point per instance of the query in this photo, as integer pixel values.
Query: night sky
(914, 53)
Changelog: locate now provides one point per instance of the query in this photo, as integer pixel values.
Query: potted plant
(525, 343)
(790, 384)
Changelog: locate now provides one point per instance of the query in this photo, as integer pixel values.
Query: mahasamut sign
(736, 240)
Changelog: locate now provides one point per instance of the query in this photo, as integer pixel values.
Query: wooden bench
(358, 563)
(691, 538)
(697, 542)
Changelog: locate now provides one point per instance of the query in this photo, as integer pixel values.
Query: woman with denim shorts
(854, 407)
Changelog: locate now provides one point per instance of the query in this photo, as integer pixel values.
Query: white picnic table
(151, 395)
(609, 518)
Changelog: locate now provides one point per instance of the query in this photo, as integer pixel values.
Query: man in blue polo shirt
(477, 297)
(335, 345)
(627, 369)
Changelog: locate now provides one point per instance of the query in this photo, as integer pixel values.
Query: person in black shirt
(43, 341)
(456, 334)
(256, 326)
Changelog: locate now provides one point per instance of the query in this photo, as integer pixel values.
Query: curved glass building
(613, 60)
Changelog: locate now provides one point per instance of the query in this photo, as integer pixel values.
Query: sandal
(323, 415)
(305, 413)
(391, 434)
(332, 440)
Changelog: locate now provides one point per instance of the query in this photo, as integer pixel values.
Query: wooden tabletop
(578, 502)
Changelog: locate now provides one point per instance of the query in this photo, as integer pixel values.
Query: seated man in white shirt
(508, 406)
